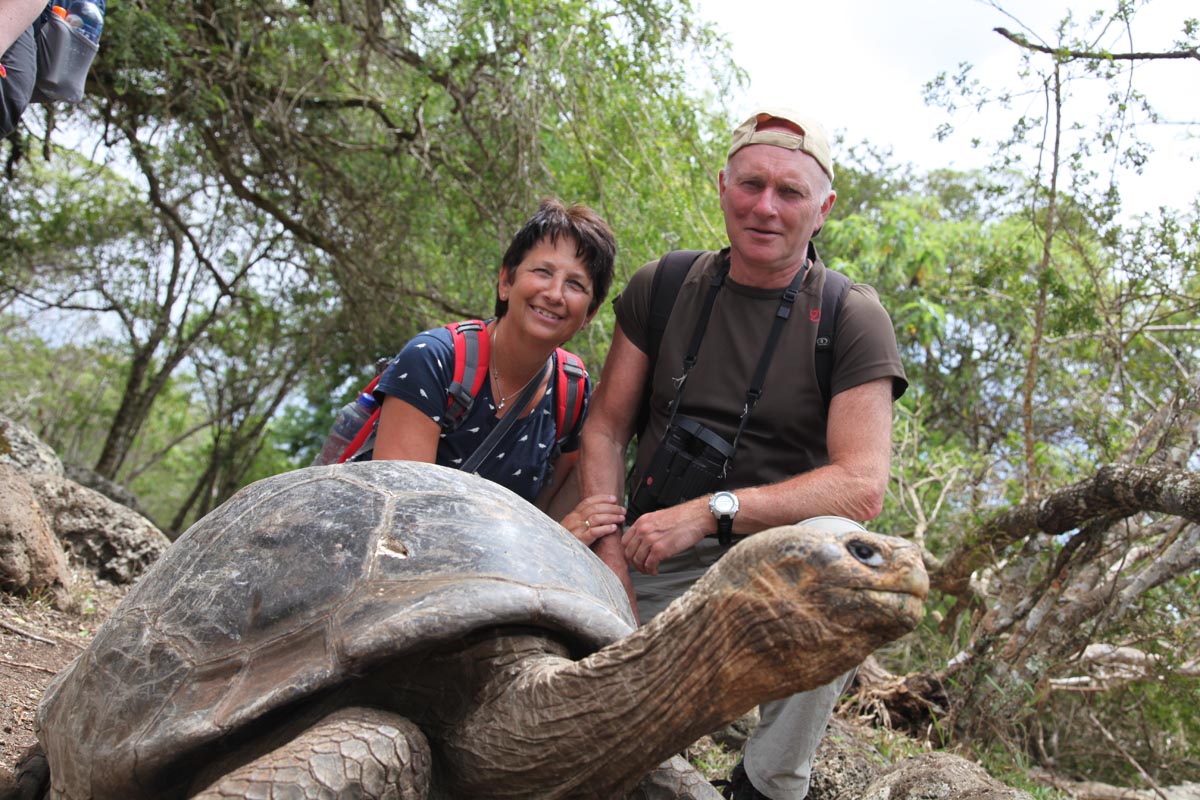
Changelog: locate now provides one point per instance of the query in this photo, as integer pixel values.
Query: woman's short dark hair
(595, 244)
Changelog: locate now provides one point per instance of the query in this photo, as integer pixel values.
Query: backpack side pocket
(64, 57)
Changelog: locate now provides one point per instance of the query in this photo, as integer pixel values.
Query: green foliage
(63, 212)
(62, 392)
(1044, 334)
(358, 167)
(714, 761)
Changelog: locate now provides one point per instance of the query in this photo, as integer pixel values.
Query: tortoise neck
(687, 672)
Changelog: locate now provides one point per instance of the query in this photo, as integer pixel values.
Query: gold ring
(587, 524)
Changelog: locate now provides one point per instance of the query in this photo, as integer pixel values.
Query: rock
(1094, 790)
(847, 766)
(20, 448)
(734, 735)
(844, 765)
(110, 489)
(31, 558)
(1182, 791)
(938, 776)
(116, 542)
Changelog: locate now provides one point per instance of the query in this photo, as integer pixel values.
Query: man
(793, 459)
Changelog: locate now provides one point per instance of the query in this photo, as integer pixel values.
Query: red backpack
(472, 349)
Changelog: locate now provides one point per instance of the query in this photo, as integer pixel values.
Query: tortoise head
(815, 595)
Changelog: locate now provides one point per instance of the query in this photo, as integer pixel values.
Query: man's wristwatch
(724, 506)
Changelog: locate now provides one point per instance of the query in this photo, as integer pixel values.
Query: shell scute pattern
(296, 585)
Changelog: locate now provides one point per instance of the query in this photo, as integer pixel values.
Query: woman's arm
(606, 434)
(405, 433)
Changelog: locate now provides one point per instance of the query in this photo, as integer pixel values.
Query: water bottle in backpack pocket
(349, 422)
(86, 16)
(67, 43)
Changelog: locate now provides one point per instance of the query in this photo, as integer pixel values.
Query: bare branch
(27, 634)
(1064, 54)
(1118, 491)
(1112, 740)
(1108, 666)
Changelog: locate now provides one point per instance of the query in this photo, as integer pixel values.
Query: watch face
(723, 503)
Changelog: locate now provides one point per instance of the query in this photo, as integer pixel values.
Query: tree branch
(1114, 490)
(1065, 54)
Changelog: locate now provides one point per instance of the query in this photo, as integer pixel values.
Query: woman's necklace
(504, 398)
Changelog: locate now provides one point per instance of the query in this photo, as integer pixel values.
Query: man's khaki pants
(779, 755)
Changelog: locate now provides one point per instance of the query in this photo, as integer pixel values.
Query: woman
(553, 277)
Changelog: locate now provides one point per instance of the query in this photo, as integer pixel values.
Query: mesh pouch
(64, 57)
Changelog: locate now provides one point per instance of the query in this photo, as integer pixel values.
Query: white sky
(859, 67)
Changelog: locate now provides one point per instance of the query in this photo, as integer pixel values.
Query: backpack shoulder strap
(832, 295)
(364, 440)
(668, 278)
(472, 350)
(570, 386)
(664, 288)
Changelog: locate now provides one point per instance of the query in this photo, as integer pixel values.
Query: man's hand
(661, 534)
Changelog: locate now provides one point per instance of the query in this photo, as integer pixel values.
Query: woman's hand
(594, 518)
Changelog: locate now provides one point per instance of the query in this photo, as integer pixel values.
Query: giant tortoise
(394, 629)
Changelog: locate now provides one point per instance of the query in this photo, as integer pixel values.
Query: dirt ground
(36, 641)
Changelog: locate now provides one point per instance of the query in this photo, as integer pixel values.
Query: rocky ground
(36, 641)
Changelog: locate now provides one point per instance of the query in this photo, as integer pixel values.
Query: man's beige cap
(813, 140)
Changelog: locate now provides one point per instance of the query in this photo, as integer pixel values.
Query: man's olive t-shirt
(785, 435)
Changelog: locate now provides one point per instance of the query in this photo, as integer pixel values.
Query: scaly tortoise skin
(393, 629)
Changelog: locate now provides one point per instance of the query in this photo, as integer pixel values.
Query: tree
(242, 388)
(1048, 448)
(379, 154)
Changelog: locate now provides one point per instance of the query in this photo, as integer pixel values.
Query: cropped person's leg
(675, 576)
(780, 752)
(16, 87)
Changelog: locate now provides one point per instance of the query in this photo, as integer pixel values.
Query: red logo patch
(814, 315)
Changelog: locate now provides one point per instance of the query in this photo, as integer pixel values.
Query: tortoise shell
(299, 583)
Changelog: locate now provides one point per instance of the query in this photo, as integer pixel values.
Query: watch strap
(725, 529)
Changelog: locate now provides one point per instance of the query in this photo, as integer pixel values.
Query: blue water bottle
(346, 426)
(88, 17)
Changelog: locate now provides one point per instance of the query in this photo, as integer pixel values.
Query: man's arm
(605, 436)
(859, 440)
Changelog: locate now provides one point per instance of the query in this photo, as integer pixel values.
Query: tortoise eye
(865, 553)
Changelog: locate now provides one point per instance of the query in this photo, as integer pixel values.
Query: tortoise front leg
(352, 752)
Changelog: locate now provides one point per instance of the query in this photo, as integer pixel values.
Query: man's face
(774, 200)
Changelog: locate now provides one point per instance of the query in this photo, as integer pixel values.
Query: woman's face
(549, 292)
